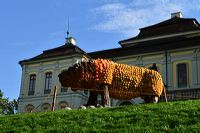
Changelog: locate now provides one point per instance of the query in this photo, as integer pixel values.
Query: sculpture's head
(77, 77)
(69, 77)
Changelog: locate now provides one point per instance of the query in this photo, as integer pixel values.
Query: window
(63, 105)
(182, 75)
(99, 99)
(46, 107)
(125, 103)
(29, 108)
(32, 84)
(64, 89)
(85, 92)
(48, 83)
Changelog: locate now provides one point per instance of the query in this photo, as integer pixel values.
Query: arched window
(85, 92)
(46, 107)
(63, 105)
(48, 82)
(125, 103)
(29, 108)
(32, 84)
(182, 75)
(64, 89)
(99, 99)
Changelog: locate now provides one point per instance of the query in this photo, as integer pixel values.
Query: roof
(153, 46)
(171, 26)
(63, 50)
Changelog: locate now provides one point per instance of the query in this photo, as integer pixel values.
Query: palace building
(173, 46)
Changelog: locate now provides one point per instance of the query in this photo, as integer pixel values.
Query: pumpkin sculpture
(113, 80)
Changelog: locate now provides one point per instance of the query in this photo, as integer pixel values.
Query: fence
(184, 94)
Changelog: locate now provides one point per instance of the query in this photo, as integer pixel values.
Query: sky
(28, 27)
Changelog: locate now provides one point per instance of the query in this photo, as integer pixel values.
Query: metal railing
(184, 94)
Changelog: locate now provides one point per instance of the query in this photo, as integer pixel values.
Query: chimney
(176, 14)
(70, 40)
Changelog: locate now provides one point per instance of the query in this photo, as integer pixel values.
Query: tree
(1, 94)
(6, 106)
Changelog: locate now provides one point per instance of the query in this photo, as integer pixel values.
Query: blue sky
(27, 27)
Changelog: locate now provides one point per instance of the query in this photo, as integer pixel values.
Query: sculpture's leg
(154, 99)
(106, 97)
(92, 100)
(151, 99)
(146, 99)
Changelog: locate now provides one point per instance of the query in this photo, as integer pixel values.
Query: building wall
(173, 57)
(74, 99)
(166, 62)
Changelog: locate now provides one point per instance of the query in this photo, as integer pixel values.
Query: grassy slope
(162, 117)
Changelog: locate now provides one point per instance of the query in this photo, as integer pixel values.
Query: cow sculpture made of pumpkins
(110, 79)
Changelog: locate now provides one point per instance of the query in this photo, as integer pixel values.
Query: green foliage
(6, 106)
(1, 94)
(150, 118)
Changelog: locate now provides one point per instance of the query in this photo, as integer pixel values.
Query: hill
(181, 116)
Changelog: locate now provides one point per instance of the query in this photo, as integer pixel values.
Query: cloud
(127, 18)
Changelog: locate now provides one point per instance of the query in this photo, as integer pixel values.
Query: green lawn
(162, 117)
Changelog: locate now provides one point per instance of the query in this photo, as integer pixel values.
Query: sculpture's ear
(65, 70)
(76, 66)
